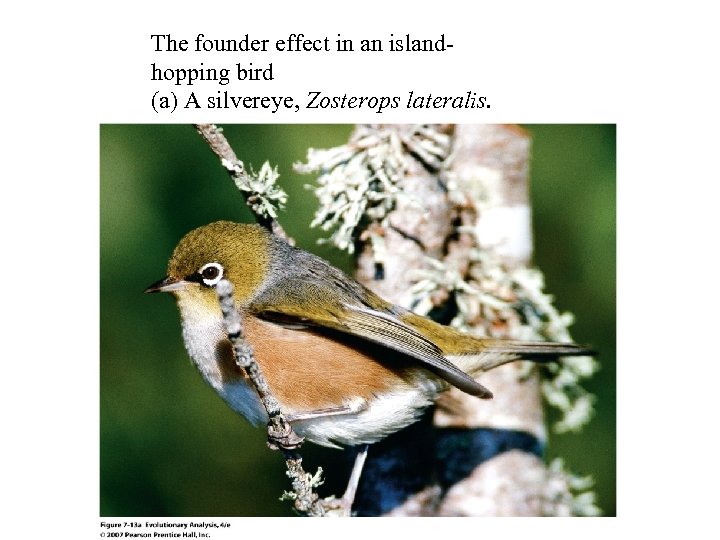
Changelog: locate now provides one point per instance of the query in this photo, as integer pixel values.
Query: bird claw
(282, 437)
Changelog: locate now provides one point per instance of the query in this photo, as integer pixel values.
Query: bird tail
(492, 353)
(475, 355)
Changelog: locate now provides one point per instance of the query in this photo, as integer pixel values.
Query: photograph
(425, 314)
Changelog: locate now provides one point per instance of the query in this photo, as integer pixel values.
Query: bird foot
(281, 436)
(343, 506)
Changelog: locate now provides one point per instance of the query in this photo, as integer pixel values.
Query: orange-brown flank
(308, 369)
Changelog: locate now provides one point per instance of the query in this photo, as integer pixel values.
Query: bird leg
(349, 496)
(342, 507)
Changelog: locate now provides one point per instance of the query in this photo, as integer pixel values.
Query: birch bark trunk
(403, 475)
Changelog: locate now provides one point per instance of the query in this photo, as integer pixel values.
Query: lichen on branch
(262, 194)
(265, 197)
(567, 494)
(358, 182)
(497, 301)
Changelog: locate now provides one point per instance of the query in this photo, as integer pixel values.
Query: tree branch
(490, 166)
(280, 433)
(261, 194)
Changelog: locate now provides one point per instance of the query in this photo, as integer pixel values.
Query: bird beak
(167, 284)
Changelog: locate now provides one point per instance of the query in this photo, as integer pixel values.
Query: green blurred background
(168, 445)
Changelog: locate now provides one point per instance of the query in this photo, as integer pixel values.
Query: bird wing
(347, 307)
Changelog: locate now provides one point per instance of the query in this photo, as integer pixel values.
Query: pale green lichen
(358, 181)
(309, 483)
(491, 293)
(264, 196)
(567, 494)
(562, 389)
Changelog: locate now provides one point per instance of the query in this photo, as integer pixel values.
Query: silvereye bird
(346, 366)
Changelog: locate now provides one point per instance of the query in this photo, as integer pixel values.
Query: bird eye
(211, 273)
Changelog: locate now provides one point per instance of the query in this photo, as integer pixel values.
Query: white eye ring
(211, 273)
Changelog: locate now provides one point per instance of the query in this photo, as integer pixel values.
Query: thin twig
(236, 169)
(281, 435)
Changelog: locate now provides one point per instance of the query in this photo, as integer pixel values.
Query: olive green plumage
(243, 250)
